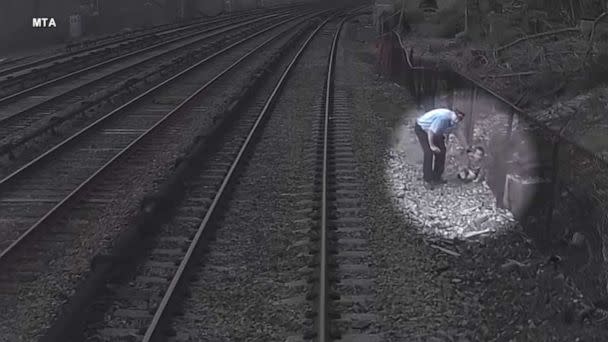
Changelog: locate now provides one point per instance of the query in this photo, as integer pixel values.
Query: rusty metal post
(470, 123)
(419, 79)
(451, 84)
(554, 191)
(502, 164)
(434, 85)
(425, 89)
(409, 73)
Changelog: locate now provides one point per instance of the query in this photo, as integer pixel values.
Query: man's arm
(437, 128)
(431, 137)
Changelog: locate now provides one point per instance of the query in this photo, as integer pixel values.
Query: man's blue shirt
(439, 121)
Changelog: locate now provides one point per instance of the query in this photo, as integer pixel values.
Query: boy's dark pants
(431, 171)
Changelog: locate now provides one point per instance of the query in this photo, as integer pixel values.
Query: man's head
(459, 115)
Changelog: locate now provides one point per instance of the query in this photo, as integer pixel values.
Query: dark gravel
(252, 285)
(97, 225)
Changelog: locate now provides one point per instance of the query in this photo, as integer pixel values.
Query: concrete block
(520, 193)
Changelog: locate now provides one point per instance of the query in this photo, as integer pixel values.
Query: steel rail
(113, 73)
(221, 28)
(8, 250)
(323, 319)
(109, 41)
(121, 39)
(159, 315)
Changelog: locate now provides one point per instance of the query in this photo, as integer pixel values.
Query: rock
(461, 36)
(578, 240)
(478, 221)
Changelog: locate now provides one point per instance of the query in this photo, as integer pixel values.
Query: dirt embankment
(554, 67)
(530, 56)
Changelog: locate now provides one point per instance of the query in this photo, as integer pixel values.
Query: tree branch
(523, 73)
(548, 33)
(591, 36)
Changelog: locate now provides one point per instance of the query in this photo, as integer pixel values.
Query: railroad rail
(34, 237)
(342, 279)
(172, 249)
(41, 173)
(106, 57)
(25, 120)
(224, 150)
(163, 313)
(111, 40)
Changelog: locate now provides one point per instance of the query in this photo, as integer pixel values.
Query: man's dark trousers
(431, 171)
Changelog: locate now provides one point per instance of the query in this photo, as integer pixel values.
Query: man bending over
(431, 129)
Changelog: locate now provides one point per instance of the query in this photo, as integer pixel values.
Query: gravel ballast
(98, 225)
(252, 286)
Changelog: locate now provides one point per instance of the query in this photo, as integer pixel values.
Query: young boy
(474, 171)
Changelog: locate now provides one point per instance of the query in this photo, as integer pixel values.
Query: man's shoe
(440, 181)
(428, 185)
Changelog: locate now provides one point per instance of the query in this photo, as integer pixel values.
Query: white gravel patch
(452, 210)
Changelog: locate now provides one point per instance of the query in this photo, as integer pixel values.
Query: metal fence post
(554, 191)
(434, 85)
(419, 80)
(411, 81)
(451, 85)
(426, 89)
(470, 124)
(502, 164)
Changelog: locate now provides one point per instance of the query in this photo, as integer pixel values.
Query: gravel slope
(472, 292)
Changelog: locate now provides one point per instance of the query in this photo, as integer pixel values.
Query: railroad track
(98, 93)
(37, 188)
(143, 302)
(123, 42)
(343, 282)
(95, 60)
(176, 242)
(334, 283)
(15, 86)
(50, 179)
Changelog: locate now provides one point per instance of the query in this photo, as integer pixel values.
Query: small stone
(578, 240)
